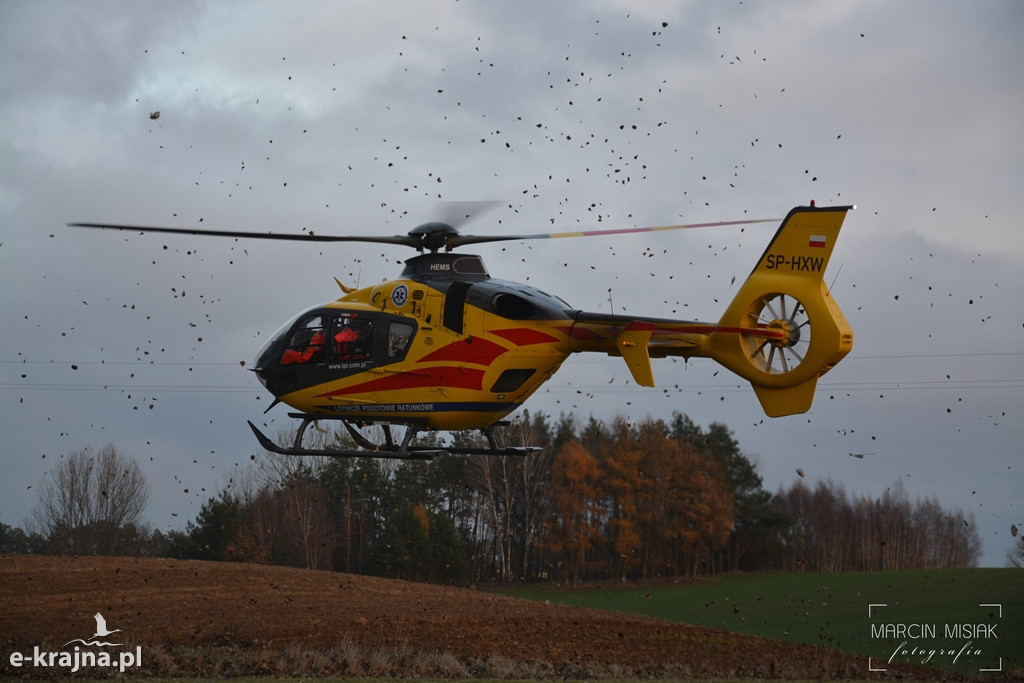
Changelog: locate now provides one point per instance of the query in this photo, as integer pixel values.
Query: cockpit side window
(351, 339)
(399, 336)
(306, 344)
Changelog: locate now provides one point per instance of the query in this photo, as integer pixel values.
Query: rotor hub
(790, 332)
(433, 235)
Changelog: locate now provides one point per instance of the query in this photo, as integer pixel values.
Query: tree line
(597, 501)
(834, 531)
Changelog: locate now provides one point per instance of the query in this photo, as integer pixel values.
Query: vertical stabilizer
(783, 329)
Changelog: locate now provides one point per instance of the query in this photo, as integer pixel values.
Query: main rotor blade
(418, 240)
(460, 240)
(458, 213)
(405, 240)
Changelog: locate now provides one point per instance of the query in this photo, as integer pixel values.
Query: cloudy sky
(367, 117)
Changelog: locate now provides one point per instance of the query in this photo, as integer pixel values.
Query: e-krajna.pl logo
(84, 655)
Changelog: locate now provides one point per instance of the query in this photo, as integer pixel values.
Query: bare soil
(204, 618)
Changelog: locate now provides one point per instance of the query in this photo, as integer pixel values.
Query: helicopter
(446, 347)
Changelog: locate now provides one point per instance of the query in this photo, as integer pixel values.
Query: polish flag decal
(816, 241)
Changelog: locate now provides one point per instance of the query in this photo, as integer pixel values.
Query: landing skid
(405, 450)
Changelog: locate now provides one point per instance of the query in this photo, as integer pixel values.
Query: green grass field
(833, 610)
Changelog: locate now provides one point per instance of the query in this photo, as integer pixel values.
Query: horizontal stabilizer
(632, 344)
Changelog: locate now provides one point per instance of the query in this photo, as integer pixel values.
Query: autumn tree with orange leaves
(572, 529)
(636, 502)
(686, 509)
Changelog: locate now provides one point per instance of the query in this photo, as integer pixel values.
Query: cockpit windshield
(306, 344)
(272, 341)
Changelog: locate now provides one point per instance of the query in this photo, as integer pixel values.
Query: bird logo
(101, 627)
(101, 632)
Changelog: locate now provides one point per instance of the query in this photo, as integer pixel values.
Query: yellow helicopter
(447, 347)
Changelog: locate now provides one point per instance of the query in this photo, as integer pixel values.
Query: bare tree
(494, 478)
(1015, 556)
(288, 512)
(92, 504)
(510, 493)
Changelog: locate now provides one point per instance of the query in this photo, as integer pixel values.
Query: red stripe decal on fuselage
(455, 378)
(476, 350)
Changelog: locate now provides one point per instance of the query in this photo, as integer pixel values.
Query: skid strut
(405, 450)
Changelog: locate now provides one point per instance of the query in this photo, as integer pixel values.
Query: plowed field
(202, 618)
